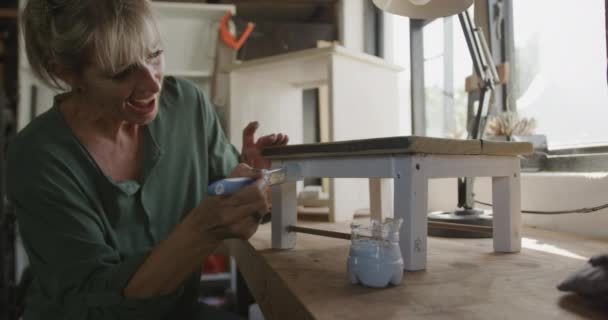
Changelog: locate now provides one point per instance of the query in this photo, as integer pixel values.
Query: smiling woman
(64, 36)
(109, 184)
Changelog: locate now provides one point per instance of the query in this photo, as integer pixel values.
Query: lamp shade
(423, 9)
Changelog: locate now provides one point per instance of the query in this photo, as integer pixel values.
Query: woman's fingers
(244, 170)
(233, 215)
(272, 140)
(249, 133)
(267, 140)
(282, 141)
(241, 225)
(245, 228)
(243, 203)
(251, 193)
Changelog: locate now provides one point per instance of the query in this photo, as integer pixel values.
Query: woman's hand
(236, 215)
(252, 149)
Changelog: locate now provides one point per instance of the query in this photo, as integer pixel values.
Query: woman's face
(130, 95)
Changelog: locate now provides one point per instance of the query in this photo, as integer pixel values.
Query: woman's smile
(142, 106)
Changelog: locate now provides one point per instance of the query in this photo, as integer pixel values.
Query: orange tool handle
(229, 38)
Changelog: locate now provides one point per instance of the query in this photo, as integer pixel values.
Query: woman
(109, 184)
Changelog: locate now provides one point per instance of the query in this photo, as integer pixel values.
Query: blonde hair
(70, 34)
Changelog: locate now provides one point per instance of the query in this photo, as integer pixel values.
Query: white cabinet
(362, 101)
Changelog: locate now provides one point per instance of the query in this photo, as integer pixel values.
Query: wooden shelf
(8, 13)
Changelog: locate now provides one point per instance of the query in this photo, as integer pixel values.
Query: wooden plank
(273, 294)
(411, 205)
(381, 198)
(375, 146)
(464, 279)
(398, 145)
(431, 224)
(8, 13)
(496, 148)
(284, 206)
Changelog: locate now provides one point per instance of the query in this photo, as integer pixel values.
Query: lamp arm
(484, 67)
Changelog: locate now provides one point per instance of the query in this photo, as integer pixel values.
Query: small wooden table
(464, 279)
(410, 161)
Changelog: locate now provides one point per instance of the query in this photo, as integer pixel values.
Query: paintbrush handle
(227, 186)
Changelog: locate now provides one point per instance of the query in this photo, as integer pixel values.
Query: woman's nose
(150, 79)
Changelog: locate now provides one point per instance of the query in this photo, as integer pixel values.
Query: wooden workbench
(464, 279)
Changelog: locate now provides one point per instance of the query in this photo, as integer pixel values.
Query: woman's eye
(125, 73)
(155, 55)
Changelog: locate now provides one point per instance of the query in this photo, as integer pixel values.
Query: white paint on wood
(284, 214)
(276, 105)
(506, 213)
(346, 167)
(324, 116)
(410, 201)
(381, 198)
(467, 166)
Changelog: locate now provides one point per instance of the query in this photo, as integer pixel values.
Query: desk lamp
(486, 72)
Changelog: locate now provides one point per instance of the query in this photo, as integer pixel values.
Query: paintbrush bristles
(509, 124)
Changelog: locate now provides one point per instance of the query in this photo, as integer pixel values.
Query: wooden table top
(464, 279)
(399, 145)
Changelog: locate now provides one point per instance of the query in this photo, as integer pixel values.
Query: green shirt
(85, 234)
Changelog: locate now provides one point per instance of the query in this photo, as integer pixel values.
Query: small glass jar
(375, 256)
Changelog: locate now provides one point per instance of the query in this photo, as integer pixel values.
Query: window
(447, 63)
(559, 69)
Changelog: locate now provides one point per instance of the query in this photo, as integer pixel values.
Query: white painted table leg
(411, 190)
(507, 212)
(380, 198)
(284, 214)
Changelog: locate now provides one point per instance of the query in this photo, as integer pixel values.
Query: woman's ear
(65, 75)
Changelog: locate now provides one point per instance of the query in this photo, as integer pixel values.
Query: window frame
(581, 157)
(576, 158)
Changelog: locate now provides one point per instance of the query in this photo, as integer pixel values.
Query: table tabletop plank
(398, 145)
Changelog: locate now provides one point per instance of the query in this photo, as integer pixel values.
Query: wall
(545, 192)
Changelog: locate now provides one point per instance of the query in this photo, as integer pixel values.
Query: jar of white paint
(375, 257)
